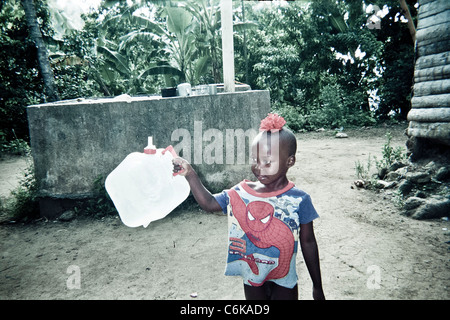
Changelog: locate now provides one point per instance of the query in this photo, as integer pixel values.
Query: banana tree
(207, 16)
(206, 26)
(180, 60)
(179, 42)
(121, 60)
(181, 48)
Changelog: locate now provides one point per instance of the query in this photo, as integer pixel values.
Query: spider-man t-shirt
(263, 231)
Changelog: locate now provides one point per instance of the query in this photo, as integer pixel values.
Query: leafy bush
(74, 81)
(16, 147)
(13, 147)
(294, 119)
(335, 109)
(23, 204)
(363, 171)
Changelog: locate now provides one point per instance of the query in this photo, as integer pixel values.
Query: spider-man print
(264, 231)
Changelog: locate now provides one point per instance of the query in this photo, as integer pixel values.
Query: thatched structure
(429, 118)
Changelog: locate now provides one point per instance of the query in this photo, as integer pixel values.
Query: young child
(266, 218)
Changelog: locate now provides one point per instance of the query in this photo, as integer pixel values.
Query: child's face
(270, 158)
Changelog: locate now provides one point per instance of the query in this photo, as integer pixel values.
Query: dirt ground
(368, 250)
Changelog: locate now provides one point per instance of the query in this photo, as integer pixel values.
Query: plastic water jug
(144, 188)
(184, 90)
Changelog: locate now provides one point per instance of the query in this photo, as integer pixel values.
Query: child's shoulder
(295, 190)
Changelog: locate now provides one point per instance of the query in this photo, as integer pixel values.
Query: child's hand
(181, 166)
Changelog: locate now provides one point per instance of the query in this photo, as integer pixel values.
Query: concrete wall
(74, 142)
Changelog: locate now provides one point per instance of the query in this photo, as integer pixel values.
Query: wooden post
(226, 8)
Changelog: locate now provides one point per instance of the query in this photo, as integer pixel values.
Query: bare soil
(368, 250)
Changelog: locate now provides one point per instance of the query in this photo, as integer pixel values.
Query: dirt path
(367, 249)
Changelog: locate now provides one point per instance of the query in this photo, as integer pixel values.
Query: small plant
(362, 171)
(390, 154)
(15, 146)
(23, 204)
(398, 199)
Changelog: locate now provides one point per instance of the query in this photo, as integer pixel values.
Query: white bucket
(184, 90)
(143, 187)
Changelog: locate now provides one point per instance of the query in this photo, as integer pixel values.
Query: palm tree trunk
(411, 27)
(42, 55)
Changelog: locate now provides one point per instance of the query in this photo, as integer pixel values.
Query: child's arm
(311, 255)
(203, 197)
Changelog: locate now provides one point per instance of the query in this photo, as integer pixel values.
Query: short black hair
(287, 138)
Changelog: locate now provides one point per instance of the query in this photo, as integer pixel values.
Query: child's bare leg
(282, 293)
(270, 291)
(255, 293)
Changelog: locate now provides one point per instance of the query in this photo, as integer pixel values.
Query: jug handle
(175, 155)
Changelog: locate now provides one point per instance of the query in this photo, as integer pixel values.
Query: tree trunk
(429, 118)
(430, 130)
(428, 88)
(42, 55)
(432, 101)
(429, 115)
(411, 27)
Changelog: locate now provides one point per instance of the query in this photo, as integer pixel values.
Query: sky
(69, 11)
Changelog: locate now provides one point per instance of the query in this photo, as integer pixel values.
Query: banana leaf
(148, 24)
(119, 61)
(241, 26)
(163, 70)
(178, 20)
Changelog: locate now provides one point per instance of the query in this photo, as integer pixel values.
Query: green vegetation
(319, 60)
(23, 204)
(391, 155)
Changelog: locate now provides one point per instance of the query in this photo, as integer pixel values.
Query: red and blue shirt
(263, 232)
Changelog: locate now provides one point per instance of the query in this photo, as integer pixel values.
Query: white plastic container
(184, 90)
(144, 188)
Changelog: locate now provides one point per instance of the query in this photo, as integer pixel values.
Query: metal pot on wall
(168, 92)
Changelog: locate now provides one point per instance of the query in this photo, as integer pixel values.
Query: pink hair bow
(273, 123)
